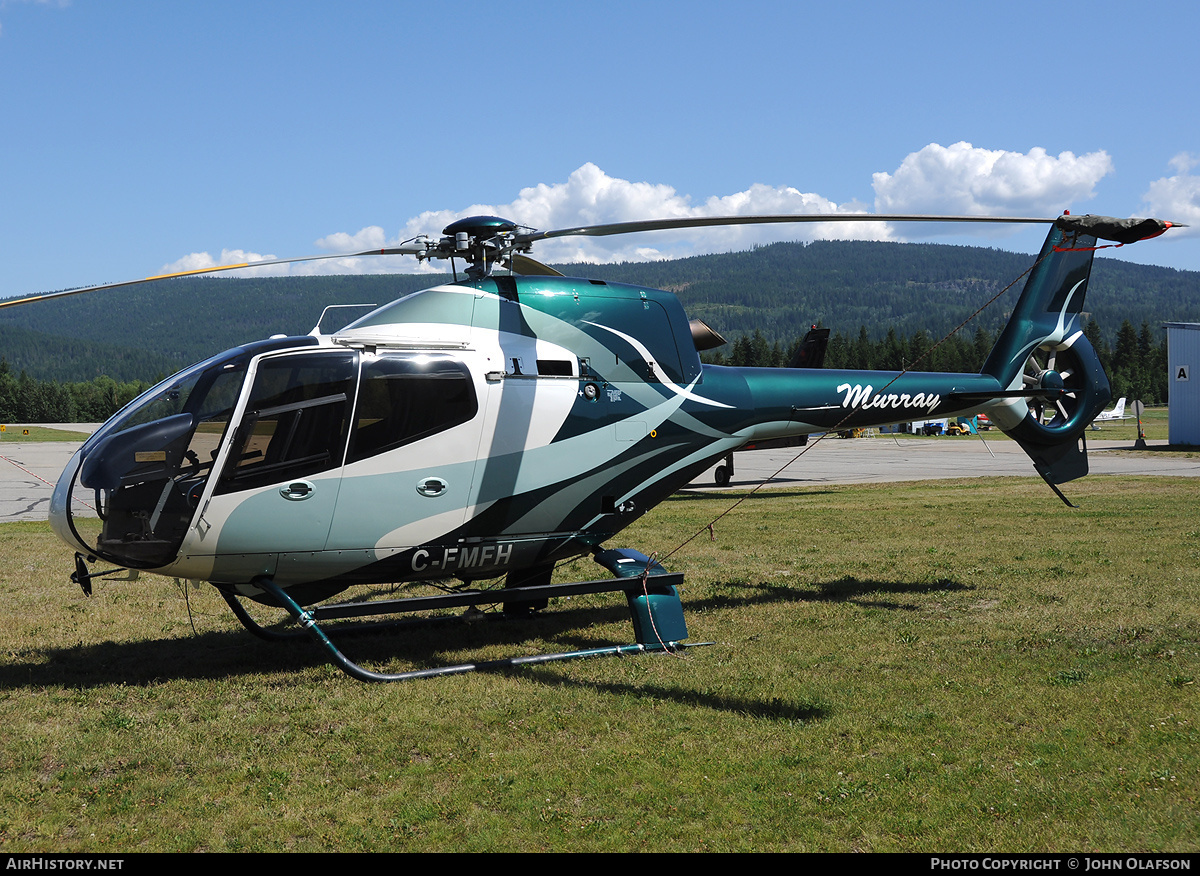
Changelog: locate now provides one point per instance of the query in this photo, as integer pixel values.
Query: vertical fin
(1046, 333)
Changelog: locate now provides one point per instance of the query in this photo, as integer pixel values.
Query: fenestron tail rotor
(1054, 367)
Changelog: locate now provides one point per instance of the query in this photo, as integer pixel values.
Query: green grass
(12, 433)
(1154, 427)
(962, 665)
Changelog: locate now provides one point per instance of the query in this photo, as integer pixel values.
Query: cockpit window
(295, 423)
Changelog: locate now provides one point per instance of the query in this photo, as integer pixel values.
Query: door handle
(297, 490)
(432, 487)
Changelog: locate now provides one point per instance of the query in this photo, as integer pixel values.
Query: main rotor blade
(713, 221)
(403, 249)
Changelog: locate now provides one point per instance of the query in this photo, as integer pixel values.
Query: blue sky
(139, 136)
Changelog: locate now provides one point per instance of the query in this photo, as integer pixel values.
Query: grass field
(1154, 427)
(39, 433)
(960, 665)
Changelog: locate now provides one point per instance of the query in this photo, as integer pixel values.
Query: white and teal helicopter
(490, 427)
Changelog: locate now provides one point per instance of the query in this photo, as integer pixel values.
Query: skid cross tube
(307, 619)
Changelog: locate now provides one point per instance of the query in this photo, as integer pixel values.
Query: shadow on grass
(225, 653)
(235, 653)
(774, 709)
(421, 642)
(231, 654)
(848, 589)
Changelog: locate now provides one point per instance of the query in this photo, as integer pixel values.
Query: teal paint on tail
(1043, 350)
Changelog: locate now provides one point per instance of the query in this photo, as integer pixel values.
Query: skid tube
(661, 585)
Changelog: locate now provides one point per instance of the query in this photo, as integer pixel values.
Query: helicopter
(509, 419)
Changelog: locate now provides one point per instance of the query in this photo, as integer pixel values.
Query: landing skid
(653, 601)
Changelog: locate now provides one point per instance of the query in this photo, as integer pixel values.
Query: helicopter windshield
(167, 398)
(145, 470)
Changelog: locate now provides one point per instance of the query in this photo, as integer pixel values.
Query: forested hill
(141, 332)
(780, 290)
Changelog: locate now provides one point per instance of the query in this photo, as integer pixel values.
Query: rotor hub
(1049, 379)
(482, 241)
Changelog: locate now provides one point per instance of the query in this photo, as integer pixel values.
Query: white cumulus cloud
(589, 196)
(966, 180)
(199, 261)
(371, 237)
(1176, 198)
(958, 179)
(1184, 161)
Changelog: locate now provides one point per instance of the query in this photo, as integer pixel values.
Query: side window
(295, 423)
(404, 398)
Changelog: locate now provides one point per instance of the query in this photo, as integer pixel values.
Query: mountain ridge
(777, 289)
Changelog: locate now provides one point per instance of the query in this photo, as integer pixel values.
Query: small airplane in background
(1116, 415)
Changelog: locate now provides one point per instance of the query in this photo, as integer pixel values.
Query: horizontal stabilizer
(1051, 393)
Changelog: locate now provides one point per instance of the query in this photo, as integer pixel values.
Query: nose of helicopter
(60, 505)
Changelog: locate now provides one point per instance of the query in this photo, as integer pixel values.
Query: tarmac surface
(29, 470)
(892, 458)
